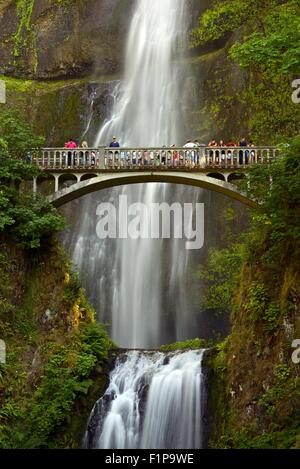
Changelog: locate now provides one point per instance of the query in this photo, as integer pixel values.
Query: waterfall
(129, 282)
(148, 111)
(154, 401)
(146, 290)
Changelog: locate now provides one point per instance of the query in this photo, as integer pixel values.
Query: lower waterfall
(155, 400)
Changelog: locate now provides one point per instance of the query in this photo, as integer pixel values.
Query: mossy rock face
(61, 110)
(254, 387)
(214, 89)
(81, 45)
(58, 358)
(228, 102)
(76, 39)
(71, 434)
(61, 38)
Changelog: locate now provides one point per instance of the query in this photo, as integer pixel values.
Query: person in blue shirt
(243, 143)
(114, 143)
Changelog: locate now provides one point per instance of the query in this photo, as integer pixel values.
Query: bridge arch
(236, 177)
(45, 184)
(108, 180)
(219, 176)
(66, 180)
(86, 177)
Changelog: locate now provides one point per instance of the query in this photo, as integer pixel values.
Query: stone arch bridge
(73, 173)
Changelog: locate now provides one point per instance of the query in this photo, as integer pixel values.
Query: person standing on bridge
(253, 153)
(243, 156)
(113, 156)
(71, 144)
(212, 143)
(84, 155)
(114, 143)
(190, 154)
(230, 153)
(175, 155)
(197, 152)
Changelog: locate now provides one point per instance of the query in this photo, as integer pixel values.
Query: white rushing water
(154, 400)
(147, 113)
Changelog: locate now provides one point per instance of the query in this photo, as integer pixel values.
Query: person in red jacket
(71, 144)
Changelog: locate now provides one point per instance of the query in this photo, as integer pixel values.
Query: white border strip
(2, 92)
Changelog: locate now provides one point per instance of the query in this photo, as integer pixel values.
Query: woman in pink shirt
(71, 144)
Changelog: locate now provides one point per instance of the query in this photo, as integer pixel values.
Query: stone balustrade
(114, 159)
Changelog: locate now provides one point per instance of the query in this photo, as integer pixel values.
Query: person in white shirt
(191, 155)
(189, 144)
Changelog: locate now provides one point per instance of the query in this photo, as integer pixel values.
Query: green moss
(15, 84)
(255, 387)
(193, 344)
(273, 421)
(273, 439)
(25, 86)
(23, 35)
(63, 3)
(247, 84)
(221, 18)
(54, 351)
(257, 301)
(53, 107)
(71, 432)
(285, 388)
(272, 316)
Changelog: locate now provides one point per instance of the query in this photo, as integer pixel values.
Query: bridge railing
(154, 158)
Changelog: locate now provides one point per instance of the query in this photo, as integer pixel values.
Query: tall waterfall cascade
(154, 400)
(148, 111)
(140, 287)
(146, 289)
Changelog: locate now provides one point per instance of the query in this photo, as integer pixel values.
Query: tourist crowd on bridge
(221, 153)
(72, 144)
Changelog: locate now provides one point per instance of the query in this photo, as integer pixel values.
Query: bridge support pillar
(56, 177)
